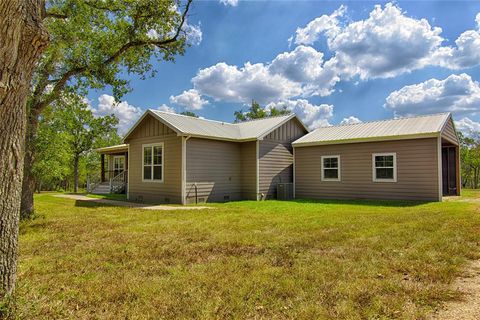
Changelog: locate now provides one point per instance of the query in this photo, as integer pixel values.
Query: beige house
(408, 159)
(171, 158)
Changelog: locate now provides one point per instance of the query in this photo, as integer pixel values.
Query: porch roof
(119, 148)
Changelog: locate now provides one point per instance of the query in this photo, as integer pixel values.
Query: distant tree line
(68, 132)
(470, 160)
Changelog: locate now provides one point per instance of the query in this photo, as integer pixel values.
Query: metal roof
(198, 127)
(113, 149)
(393, 129)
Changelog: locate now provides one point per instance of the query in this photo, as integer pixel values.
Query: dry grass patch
(326, 259)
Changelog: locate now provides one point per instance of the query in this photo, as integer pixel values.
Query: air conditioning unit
(285, 191)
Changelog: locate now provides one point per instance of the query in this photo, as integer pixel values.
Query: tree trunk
(28, 185)
(75, 173)
(22, 39)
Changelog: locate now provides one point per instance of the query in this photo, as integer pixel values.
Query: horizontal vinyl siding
(215, 167)
(276, 157)
(417, 171)
(276, 166)
(448, 132)
(152, 131)
(249, 170)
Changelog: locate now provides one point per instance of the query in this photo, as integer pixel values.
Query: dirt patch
(128, 204)
(469, 307)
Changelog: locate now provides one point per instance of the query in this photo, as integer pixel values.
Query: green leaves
(94, 43)
(257, 112)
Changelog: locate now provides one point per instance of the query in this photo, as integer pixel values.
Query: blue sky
(345, 61)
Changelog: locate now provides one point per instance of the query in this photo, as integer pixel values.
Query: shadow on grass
(95, 203)
(363, 202)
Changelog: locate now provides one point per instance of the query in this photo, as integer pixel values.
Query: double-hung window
(152, 162)
(384, 167)
(330, 168)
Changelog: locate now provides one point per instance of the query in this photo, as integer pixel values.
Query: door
(449, 171)
(118, 165)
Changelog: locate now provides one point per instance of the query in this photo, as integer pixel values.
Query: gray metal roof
(191, 126)
(393, 129)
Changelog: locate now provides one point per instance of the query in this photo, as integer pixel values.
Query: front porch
(113, 171)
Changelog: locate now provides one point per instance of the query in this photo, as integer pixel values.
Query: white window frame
(118, 157)
(151, 145)
(338, 168)
(374, 171)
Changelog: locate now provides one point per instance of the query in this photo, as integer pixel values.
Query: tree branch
(60, 84)
(55, 15)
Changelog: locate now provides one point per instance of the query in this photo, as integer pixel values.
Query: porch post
(458, 169)
(126, 165)
(102, 167)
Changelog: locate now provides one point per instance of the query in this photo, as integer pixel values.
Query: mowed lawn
(272, 260)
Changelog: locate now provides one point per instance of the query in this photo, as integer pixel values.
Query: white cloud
(467, 125)
(305, 65)
(350, 120)
(457, 93)
(229, 83)
(312, 115)
(466, 53)
(190, 99)
(232, 3)
(384, 45)
(166, 108)
(126, 113)
(324, 24)
(194, 34)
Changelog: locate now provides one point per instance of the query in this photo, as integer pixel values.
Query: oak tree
(95, 44)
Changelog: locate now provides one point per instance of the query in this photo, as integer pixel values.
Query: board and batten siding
(215, 168)
(150, 130)
(449, 133)
(417, 171)
(276, 157)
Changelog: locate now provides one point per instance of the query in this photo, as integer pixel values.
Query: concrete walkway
(128, 204)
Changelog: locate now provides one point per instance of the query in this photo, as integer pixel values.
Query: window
(384, 167)
(330, 168)
(153, 162)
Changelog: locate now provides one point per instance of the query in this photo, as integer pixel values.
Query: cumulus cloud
(350, 120)
(166, 108)
(456, 93)
(467, 126)
(466, 53)
(314, 116)
(194, 34)
(232, 3)
(190, 99)
(386, 44)
(126, 113)
(327, 24)
(305, 65)
(229, 83)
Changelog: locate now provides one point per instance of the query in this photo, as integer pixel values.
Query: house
(413, 158)
(171, 158)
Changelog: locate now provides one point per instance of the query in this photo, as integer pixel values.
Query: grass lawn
(311, 260)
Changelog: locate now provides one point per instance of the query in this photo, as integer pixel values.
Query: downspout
(293, 172)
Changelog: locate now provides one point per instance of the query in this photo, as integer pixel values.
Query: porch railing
(118, 182)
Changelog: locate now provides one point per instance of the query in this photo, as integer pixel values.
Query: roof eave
(372, 139)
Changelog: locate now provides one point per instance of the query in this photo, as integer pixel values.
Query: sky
(329, 62)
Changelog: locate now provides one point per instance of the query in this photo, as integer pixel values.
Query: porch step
(102, 188)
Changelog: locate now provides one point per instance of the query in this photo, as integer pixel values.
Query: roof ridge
(384, 120)
(190, 117)
(265, 118)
